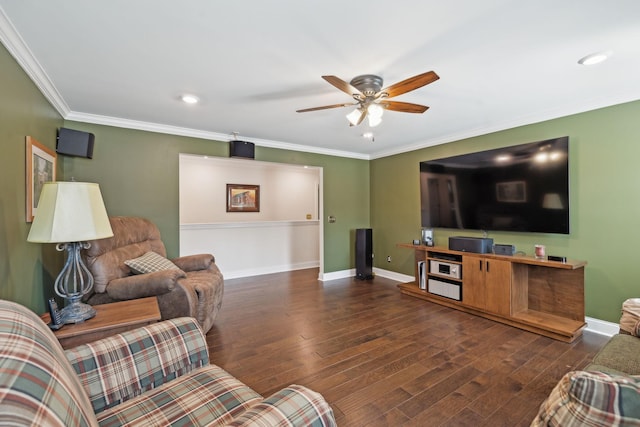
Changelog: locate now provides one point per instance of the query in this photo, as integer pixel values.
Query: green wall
(24, 267)
(604, 194)
(138, 175)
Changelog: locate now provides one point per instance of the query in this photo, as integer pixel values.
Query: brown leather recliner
(195, 289)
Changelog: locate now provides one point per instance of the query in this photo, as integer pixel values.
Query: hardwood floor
(385, 359)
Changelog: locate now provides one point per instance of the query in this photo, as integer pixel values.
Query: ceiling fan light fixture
(354, 116)
(372, 100)
(374, 120)
(375, 110)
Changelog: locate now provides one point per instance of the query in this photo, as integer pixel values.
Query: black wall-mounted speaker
(241, 149)
(75, 143)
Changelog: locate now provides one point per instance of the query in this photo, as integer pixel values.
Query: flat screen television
(518, 188)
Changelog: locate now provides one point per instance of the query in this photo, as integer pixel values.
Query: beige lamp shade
(70, 212)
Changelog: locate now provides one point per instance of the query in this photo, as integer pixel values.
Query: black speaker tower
(364, 254)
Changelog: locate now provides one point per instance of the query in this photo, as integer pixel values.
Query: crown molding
(195, 133)
(22, 54)
(565, 111)
(17, 47)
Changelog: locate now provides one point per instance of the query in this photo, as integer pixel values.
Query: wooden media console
(545, 297)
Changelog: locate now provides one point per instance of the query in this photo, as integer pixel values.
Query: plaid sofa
(607, 391)
(153, 376)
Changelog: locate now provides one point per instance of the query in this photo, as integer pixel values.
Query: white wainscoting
(254, 248)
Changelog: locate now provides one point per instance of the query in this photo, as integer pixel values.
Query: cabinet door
(473, 286)
(497, 286)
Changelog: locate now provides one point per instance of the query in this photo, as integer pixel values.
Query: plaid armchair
(607, 391)
(158, 375)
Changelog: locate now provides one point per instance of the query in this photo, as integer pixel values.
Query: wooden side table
(110, 319)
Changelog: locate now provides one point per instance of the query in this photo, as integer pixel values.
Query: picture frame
(243, 198)
(511, 192)
(41, 164)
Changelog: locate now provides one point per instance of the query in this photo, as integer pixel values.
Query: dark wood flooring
(385, 359)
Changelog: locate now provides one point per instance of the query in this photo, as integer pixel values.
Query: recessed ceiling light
(190, 99)
(594, 58)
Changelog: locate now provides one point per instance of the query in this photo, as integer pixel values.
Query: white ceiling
(254, 63)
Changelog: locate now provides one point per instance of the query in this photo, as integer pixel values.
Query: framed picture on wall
(41, 168)
(243, 198)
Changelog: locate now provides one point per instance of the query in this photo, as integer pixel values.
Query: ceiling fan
(372, 100)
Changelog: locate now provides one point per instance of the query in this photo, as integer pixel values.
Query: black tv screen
(519, 188)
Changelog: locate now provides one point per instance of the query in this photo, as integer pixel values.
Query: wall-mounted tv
(518, 188)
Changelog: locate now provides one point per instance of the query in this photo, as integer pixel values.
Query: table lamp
(69, 214)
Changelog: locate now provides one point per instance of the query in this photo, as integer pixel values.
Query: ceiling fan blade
(410, 84)
(404, 107)
(342, 85)
(325, 107)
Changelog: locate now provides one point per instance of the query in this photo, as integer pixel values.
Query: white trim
(334, 275)
(257, 224)
(269, 270)
(398, 277)
(601, 327)
(343, 274)
(194, 133)
(321, 223)
(16, 46)
(565, 111)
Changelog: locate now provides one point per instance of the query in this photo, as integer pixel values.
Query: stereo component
(445, 289)
(499, 249)
(448, 257)
(422, 274)
(479, 245)
(445, 269)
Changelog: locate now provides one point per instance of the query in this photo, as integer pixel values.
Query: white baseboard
(343, 274)
(269, 270)
(601, 327)
(399, 277)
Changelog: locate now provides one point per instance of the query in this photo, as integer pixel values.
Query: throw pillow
(592, 398)
(150, 263)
